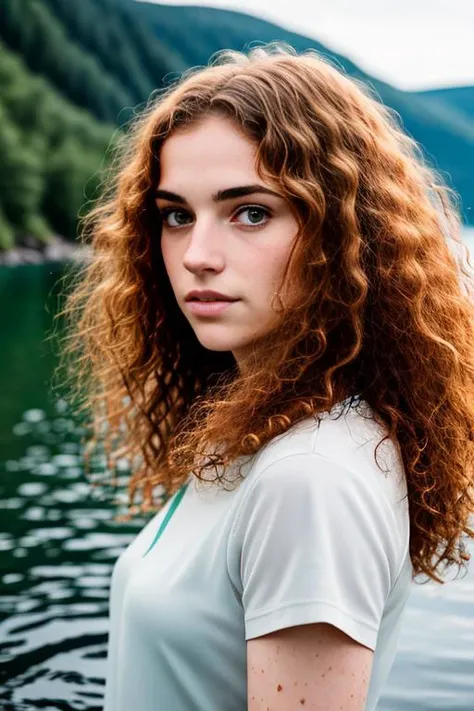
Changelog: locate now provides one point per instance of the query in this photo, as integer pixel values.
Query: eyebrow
(221, 195)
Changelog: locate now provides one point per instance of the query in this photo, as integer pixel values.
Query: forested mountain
(73, 73)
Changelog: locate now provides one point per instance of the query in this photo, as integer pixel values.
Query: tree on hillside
(47, 50)
(21, 177)
(51, 151)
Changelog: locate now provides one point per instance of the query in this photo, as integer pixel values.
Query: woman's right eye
(180, 217)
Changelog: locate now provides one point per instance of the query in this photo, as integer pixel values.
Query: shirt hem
(307, 613)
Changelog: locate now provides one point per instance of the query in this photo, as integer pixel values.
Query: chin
(218, 346)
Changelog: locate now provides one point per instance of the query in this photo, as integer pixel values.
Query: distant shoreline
(57, 249)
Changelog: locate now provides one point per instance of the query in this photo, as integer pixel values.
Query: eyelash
(243, 208)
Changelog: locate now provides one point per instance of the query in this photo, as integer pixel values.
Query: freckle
(329, 668)
(279, 687)
(352, 696)
(316, 655)
(323, 675)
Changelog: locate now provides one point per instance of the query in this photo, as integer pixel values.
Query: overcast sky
(412, 44)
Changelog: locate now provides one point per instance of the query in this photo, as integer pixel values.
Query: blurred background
(72, 74)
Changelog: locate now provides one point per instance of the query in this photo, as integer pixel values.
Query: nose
(204, 250)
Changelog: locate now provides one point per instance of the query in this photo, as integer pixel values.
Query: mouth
(209, 308)
(210, 298)
(207, 301)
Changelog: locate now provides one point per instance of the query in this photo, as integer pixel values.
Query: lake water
(59, 542)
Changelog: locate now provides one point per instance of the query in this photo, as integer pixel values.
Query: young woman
(277, 331)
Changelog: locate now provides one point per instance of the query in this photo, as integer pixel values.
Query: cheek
(274, 270)
(264, 277)
(272, 265)
(169, 261)
(168, 255)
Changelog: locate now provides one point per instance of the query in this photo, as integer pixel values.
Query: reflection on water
(59, 542)
(58, 537)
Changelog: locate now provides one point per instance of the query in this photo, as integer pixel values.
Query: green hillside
(50, 151)
(73, 73)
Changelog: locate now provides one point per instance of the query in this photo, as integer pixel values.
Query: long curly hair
(385, 312)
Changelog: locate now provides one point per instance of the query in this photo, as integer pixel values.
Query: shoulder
(350, 439)
(317, 534)
(328, 474)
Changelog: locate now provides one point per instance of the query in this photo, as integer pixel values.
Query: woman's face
(223, 230)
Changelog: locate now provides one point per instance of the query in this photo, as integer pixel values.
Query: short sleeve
(317, 543)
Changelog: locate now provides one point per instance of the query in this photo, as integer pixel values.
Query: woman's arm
(315, 667)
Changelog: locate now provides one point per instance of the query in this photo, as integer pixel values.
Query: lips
(210, 301)
(209, 308)
(207, 295)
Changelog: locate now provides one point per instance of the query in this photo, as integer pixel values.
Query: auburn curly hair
(386, 311)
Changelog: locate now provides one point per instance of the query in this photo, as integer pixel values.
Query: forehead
(212, 145)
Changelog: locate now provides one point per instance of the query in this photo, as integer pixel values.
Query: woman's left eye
(255, 213)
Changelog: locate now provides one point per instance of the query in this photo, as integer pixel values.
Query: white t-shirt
(315, 532)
